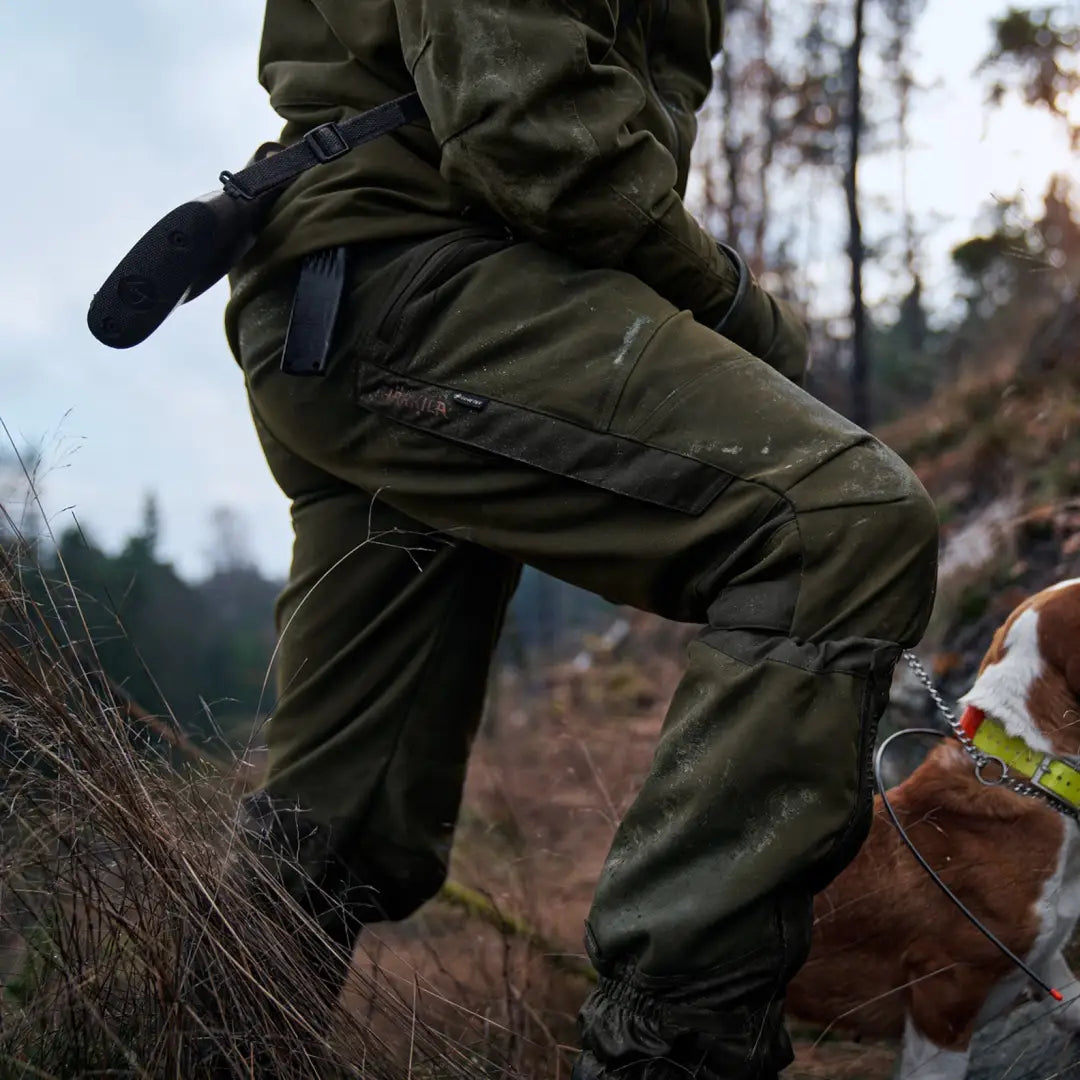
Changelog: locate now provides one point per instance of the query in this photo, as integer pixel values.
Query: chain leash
(1012, 783)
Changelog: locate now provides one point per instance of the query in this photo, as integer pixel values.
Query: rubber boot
(283, 877)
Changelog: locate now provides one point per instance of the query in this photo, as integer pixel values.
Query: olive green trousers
(489, 404)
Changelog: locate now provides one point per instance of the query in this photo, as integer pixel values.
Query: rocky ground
(1025, 1046)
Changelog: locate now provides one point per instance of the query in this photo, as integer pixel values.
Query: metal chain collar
(1020, 786)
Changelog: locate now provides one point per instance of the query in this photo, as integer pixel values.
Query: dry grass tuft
(125, 936)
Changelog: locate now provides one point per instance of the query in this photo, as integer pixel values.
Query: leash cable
(920, 672)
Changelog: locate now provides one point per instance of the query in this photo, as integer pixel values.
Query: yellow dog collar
(1051, 775)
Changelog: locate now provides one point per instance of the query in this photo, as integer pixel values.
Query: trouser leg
(386, 632)
(570, 419)
(759, 793)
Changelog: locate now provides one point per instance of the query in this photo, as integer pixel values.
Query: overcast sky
(117, 110)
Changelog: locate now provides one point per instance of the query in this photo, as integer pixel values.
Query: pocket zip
(390, 322)
(437, 260)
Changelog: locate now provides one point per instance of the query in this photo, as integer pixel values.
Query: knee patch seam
(857, 657)
(767, 606)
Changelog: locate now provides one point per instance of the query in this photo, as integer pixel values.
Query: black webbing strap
(321, 144)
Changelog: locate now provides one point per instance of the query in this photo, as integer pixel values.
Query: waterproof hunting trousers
(489, 404)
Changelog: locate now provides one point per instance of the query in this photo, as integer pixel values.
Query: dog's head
(1030, 677)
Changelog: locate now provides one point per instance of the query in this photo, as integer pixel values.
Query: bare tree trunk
(733, 152)
(912, 313)
(768, 92)
(860, 361)
(911, 253)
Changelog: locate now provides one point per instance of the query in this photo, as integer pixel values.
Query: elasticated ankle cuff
(633, 1035)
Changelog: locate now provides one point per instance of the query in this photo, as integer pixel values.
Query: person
(542, 358)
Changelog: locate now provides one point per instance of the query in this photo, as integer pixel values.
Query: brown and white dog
(891, 955)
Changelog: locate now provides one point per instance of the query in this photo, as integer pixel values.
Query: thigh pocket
(426, 277)
(539, 440)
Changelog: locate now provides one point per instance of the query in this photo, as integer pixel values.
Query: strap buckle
(326, 142)
(1037, 777)
(1041, 771)
(1058, 802)
(230, 182)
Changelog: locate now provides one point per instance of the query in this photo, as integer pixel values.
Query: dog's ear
(1059, 634)
(1059, 644)
(1071, 668)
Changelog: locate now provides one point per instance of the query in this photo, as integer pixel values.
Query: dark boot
(628, 1034)
(297, 909)
(299, 853)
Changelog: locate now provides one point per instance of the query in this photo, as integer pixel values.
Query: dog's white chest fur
(1058, 907)
(1002, 689)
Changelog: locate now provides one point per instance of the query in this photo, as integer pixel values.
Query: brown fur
(884, 924)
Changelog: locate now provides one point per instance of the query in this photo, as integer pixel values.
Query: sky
(117, 111)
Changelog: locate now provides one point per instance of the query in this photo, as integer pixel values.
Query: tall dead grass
(125, 936)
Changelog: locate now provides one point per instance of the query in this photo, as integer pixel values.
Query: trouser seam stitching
(865, 706)
(802, 568)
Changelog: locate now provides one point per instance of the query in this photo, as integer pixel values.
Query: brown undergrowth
(124, 941)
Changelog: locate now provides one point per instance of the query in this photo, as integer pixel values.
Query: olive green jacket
(570, 120)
